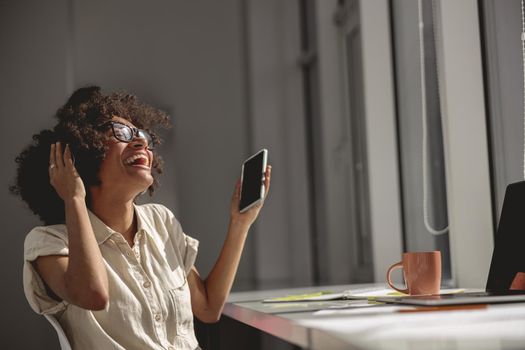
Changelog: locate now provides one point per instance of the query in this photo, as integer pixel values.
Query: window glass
(407, 57)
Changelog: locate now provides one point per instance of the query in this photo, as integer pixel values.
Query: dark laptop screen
(508, 257)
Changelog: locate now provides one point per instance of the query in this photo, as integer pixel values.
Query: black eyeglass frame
(134, 132)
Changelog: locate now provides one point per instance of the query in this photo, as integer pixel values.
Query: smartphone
(252, 180)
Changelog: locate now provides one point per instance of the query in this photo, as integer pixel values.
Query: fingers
(237, 190)
(268, 172)
(59, 155)
(267, 176)
(52, 160)
(58, 158)
(68, 161)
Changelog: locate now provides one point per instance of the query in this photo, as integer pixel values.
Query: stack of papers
(365, 294)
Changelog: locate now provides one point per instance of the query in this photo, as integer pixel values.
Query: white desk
(378, 327)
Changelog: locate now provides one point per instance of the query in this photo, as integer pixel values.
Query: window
(407, 56)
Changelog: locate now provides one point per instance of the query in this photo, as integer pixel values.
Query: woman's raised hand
(249, 216)
(63, 175)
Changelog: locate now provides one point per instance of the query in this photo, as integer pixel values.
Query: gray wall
(32, 37)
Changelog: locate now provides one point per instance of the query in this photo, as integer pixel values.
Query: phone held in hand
(252, 180)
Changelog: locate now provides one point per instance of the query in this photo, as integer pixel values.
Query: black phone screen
(252, 180)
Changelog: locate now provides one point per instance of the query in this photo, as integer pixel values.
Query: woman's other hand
(63, 175)
(248, 217)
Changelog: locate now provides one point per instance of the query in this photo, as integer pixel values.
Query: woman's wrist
(239, 225)
(75, 200)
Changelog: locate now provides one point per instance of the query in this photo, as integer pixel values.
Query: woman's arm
(81, 277)
(208, 296)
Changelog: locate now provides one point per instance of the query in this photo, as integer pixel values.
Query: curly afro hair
(79, 122)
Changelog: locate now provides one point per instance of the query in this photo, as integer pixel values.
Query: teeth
(133, 158)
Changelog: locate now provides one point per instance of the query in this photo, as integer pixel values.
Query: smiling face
(126, 166)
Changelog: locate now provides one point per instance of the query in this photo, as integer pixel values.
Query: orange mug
(422, 273)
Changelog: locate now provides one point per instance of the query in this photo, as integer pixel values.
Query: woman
(116, 275)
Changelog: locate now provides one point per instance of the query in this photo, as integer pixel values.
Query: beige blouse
(149, 298)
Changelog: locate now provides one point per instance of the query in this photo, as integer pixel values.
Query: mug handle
(398, 265)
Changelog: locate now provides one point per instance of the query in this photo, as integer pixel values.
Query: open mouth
(137, 160)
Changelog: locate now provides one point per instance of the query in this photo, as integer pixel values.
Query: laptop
(508, 258)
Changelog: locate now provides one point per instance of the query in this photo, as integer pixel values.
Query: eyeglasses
(126, 133)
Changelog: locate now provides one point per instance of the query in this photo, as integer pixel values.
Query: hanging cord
(426, 221)
(523, 68)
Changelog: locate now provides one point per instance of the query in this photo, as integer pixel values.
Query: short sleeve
(187, 246)
(42, 241)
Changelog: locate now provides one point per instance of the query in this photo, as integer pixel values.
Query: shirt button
(129, 253)
(147, 284)
(157, 317)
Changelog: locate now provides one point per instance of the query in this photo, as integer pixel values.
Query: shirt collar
(103, 232)
(144, 223)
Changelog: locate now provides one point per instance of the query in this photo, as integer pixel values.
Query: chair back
(64, 343)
